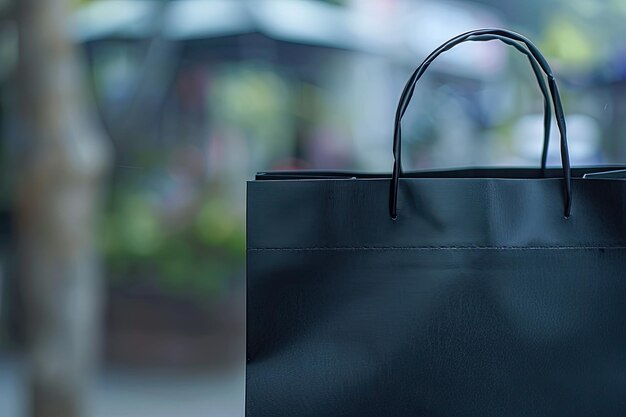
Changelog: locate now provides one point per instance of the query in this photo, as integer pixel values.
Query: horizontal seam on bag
(322, 248)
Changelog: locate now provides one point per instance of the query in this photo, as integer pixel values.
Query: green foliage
(566, 40)
(197, 257)
(136, 227)
(255, 101)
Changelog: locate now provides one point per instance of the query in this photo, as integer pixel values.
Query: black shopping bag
(480, 292)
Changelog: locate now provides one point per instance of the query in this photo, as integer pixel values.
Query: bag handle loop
(547, 110)
(507, 37)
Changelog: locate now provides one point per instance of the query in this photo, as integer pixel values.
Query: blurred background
(128, 129)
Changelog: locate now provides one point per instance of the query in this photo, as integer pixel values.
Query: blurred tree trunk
(59, 191)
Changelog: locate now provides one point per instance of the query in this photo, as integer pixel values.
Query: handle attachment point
(482, 34)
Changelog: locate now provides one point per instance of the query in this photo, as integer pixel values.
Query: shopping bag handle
(480, 35)
(547, 110)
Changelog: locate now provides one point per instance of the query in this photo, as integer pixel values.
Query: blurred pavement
(133, 393)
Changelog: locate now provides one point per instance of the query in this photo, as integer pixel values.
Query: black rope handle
(478, 35)
(547, 110)
(538, 75)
